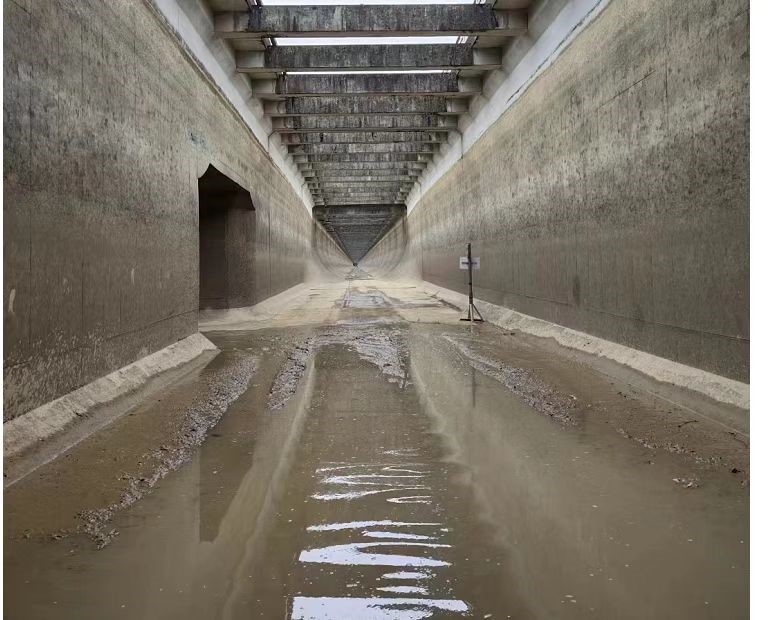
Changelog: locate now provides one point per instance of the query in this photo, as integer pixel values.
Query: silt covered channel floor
(360, 453)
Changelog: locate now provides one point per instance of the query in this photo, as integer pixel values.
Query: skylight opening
(288, 41)
(337, 2)
(381, 72)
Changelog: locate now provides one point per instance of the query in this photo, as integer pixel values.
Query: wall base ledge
(716, 387)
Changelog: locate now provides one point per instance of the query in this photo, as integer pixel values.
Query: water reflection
(588, 521)
(400, 543)
(347, 608)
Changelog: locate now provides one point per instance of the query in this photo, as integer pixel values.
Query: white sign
(464, 263)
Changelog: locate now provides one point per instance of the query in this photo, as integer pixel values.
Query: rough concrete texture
(386, 149)
(363, 123)
(429, 19)
(367, 57)
(366, 137)
(612, 197)
(39, 424)
(395, 254)
(442, 84)
(384, 104)
(103, 148)
(360, 157)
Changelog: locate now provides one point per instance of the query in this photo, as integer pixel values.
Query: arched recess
(224, 251)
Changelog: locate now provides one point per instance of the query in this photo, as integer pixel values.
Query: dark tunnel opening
(358, 228)
(221, 250)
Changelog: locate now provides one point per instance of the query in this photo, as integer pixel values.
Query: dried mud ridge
(224, 387)
(383, 347)
(532, 390)
(563, 408)
(737, 466)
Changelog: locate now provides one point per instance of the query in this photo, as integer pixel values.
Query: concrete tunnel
(237, 381)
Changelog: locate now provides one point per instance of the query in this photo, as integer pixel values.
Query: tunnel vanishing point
(236, 379)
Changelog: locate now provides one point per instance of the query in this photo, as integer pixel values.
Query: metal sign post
(467, 262)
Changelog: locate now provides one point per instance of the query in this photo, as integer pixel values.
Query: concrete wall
(394, 256)
(108, 125)
(612, 197)
(328, 264)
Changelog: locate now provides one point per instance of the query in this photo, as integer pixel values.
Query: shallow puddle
(404, 486)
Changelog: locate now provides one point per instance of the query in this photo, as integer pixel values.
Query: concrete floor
(359, 453)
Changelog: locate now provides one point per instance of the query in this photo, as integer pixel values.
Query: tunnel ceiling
(357, 228)
(364, 95)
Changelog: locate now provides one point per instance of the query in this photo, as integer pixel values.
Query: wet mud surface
(388, 463)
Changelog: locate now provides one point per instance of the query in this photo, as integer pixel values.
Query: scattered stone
(688, 483)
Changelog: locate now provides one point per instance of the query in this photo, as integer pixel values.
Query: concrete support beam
(371, 20)
(393, 173)
(383, 105)
(362, 189)
(340, 176)
(343, 182)
(367, 58)
(364, 123)
(359, 185)
(363, 167)
(371, 203)
(431, 84)
(380, 199)
(366, 137)
(355, 149)
(346, 157)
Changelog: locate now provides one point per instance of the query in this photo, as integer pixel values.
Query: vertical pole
(471, 296)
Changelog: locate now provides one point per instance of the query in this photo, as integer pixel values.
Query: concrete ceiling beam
(372, 203)
(361, 188)
(371, 21)
(348, 214)
(382, 105)
(345, 157)
(366, 137)
(362, 167)
(360, 185)
(346, 85)
(372, 191)
(364, 123)
(355, 149)
(364, 170)
(368, 178)
(374, 182)
(376, 200)
(307, 58)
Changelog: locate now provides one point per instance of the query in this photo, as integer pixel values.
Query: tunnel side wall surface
(612, 197)
(108, 126)
(394, 256)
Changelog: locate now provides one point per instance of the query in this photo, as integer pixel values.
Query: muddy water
(403, 473)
